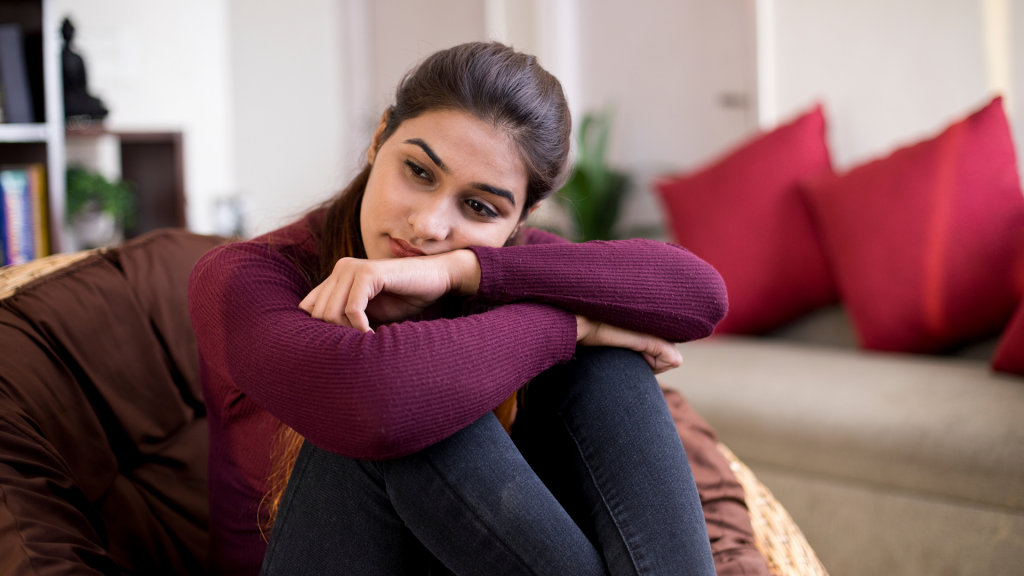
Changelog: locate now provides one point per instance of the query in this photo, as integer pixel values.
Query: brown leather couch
(103, 438)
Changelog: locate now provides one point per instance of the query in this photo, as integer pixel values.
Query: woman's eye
(417, 171)
(481, 208)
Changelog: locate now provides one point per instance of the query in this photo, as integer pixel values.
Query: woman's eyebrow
(429, 152)
(496, 191)
(477, 185)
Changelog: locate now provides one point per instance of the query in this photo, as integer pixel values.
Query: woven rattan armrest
(14, 277)
(776, 536)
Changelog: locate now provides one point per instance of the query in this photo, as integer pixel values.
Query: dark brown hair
(494, 83)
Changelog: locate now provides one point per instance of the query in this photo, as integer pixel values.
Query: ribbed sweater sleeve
(371, 396)
(641, 285)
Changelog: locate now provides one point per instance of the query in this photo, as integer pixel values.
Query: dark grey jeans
(594, 480)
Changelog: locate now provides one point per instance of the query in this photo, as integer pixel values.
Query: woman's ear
(523, 220)
(377, 136)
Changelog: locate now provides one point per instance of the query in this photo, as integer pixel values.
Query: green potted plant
(98, 210)
(594, 192)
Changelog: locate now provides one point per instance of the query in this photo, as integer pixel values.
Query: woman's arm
(641, 285)
(364, 395)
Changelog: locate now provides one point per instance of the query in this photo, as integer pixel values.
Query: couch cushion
(102, 434)
(941, 426)
(830, 327)
(827, 326)
(744, 215)
(1009, 356)
(925, 243)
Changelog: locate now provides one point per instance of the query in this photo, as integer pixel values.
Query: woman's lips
(402, 249)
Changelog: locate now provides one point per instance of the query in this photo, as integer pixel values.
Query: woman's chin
(376, 253)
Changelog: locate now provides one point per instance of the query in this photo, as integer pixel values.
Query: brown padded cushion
(721, 496)
(103, 437)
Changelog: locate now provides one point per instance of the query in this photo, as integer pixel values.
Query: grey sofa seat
(948, 427)
(890, 463)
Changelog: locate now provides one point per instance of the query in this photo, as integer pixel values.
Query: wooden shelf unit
(36, 132)
(151, 161)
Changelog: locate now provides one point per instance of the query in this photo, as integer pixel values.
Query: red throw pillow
(1009, 356)
(923, 243)
(744, 215)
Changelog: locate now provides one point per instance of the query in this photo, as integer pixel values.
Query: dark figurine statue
(78, 103)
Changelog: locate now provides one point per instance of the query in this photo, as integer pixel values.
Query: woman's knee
(610, 364)
(604, 374)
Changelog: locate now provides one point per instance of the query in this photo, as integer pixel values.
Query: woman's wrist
(465, 269)
(584, 327)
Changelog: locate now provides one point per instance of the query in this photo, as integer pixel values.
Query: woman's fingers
(309, 301)
(665, 358)
(343, 297)
(319, 306)
(364, 287)
(660, 354)
(330, 304)
(350, 291)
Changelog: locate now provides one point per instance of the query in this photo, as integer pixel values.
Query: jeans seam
(472, 510)
(609, 505)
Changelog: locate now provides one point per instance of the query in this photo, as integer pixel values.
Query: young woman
(384, 328)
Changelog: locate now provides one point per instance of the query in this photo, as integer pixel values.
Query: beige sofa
(891, 464)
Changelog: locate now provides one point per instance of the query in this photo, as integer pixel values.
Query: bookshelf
(43, 141)
(151, 161)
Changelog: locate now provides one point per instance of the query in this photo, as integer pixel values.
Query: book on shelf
(14, 81)
(23, 212)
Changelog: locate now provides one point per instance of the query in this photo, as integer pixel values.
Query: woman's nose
(430, 221)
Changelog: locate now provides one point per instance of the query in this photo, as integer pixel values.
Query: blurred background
(275, 100)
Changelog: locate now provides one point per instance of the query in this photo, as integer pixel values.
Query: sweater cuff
(492, 275)
(554, 329)
(567, 325)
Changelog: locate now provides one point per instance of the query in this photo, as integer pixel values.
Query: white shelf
(53, 83)
(23, 133)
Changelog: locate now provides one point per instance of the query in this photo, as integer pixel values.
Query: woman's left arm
(640, 285)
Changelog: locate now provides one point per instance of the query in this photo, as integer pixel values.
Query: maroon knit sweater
(408, 385)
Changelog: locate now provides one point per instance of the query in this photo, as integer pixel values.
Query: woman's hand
(390, 290)
(660, 354)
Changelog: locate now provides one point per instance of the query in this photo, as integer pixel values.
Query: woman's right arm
(374, 395)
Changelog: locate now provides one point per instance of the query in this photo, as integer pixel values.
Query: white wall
(889, 72)
(663, 66)
(165, 66)
(404, 31)
(288, 111)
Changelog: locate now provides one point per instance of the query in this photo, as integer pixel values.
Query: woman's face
(443, 181)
